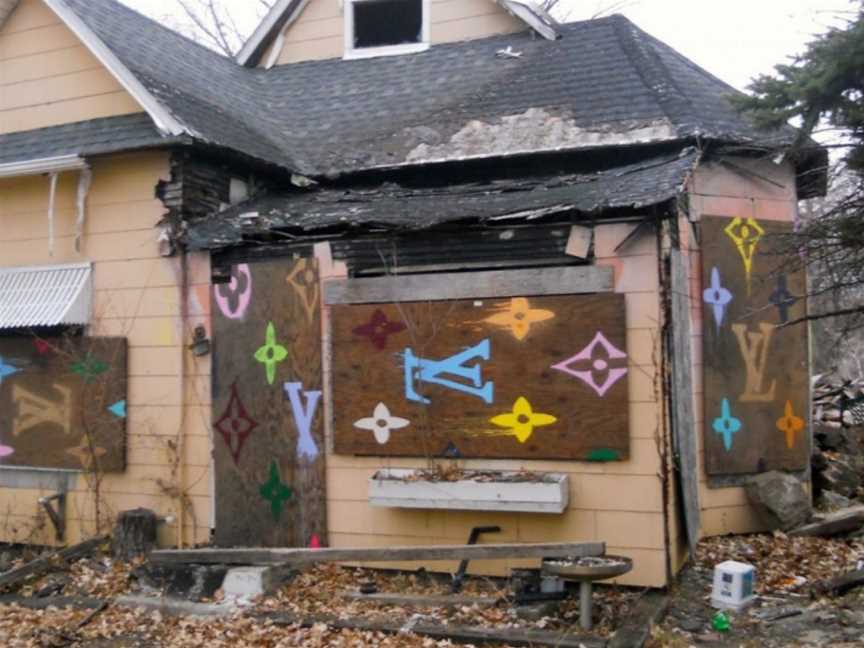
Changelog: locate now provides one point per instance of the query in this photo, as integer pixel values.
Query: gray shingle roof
(604, 83)
(393, 207)
(94, 137)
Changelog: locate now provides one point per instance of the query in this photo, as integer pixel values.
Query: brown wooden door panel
(756, 371)
(268, 431)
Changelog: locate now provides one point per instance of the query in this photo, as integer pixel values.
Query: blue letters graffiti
(306, 446)
(420, 370)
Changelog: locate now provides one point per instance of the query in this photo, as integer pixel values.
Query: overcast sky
(734, 39)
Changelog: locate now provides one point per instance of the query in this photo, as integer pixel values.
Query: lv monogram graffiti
(34, 410)
(303, 417)
(754, 347)
(433, 371)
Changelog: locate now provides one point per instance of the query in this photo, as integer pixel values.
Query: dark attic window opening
(383, 23)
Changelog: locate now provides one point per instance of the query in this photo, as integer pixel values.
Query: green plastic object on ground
(720, 622)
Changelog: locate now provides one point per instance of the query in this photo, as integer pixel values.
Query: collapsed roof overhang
(334, 211)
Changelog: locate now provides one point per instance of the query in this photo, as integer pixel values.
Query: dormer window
(385, 27)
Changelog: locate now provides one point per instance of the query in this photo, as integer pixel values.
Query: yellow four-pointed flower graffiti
(519, 317)
(522, 420)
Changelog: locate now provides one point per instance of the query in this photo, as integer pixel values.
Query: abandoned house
(401, 269)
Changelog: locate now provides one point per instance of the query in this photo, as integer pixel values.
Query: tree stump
(134, 534)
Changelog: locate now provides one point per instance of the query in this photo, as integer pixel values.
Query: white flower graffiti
(382, 423)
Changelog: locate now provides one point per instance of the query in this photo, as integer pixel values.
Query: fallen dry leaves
(783, 563)
(318, 592)
(120, 627)
(315, 593)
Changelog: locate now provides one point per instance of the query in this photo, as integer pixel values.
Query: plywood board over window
(268, 433)
(63, 402)
(756, 362)
(518, 377)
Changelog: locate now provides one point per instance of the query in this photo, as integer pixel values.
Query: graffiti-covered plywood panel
(756, 370)
(63, 403)
(528, 377)
(268, 433)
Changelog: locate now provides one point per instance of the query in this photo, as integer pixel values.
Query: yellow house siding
(48, 77)
(620, 503)
(136, 295)
(319, 31)
(718, 191)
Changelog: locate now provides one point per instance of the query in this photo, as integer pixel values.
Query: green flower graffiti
(275, 492)
(271, 354)
(89, 368)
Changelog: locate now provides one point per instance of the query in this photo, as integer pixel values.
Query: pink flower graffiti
(593, 365)
(233, 299)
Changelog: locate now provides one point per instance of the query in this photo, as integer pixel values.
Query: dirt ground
(315, 593)
(786, 614)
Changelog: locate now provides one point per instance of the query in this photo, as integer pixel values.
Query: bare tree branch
(213, 23)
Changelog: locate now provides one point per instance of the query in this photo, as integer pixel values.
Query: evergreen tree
(822, 92)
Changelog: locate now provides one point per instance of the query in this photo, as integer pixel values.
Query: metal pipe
(586, 589)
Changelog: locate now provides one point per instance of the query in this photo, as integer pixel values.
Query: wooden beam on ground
(840, 585)
(833, 524)
(457, 634)
(297, 557)
(59, 602)
(44, 564)
(419, 600)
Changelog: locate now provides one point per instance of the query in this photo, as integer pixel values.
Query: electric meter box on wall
(733, 586)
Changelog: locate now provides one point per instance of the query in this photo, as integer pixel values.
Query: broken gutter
(42, 166)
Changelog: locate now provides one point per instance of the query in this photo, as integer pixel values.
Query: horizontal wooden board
(474, 285)
(66, 402)
(756, 370)
(533, 378)
(377, 554)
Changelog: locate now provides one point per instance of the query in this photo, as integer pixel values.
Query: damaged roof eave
(670, 138)
(335, 212)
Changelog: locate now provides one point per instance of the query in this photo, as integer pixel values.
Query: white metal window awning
(45, 296)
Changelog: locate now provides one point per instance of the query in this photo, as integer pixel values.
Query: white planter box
(390, 488)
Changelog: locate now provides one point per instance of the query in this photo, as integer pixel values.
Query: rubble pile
(838, 449)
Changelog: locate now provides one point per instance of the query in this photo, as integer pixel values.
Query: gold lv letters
(754, 349)
(33, 410)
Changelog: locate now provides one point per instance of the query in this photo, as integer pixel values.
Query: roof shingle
(604, 83)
